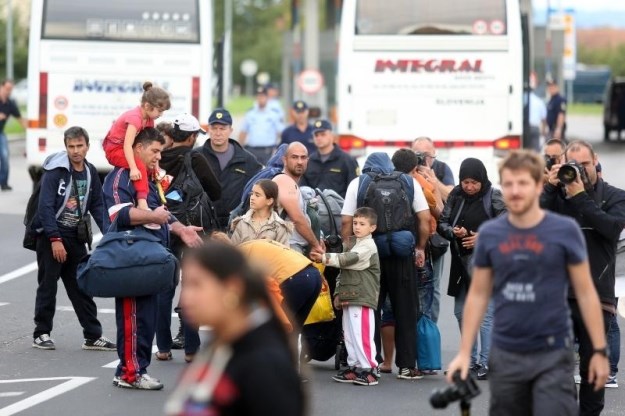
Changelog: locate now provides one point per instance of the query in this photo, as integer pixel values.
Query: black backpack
(191, 205)
(30, 234)
(390, 195)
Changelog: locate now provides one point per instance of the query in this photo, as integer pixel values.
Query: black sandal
(163, 356)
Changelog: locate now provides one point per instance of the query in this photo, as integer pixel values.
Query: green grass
(13, 126)
(238, 105)
(585, 109)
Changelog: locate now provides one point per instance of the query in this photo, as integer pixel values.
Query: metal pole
(9, 40)
(227, 64)
(548, 43)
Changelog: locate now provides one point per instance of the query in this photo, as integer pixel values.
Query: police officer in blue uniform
(556, 112)
(301, 130)
(261, 128)
(329, 167)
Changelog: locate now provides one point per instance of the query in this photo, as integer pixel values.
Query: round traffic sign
(249, 67)
(310, 81)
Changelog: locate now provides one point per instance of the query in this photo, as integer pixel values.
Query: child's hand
(316, 256)
(135, 174)
(337, 303)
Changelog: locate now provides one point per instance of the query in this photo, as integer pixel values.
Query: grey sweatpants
(535, 383)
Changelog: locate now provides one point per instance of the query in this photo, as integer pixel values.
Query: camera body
(550, 161)
(568, 172)
(421, 159)
(463, 390)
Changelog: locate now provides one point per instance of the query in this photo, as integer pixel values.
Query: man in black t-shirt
(8, 108)
(526, 260)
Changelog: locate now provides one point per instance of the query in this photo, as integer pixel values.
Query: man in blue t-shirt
(526, 260)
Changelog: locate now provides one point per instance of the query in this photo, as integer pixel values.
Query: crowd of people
(532, 264)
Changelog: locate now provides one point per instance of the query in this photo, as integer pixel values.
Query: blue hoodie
(376, 163)
(56, 185)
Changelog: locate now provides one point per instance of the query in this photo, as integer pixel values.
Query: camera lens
(567, 174)
(441, 398)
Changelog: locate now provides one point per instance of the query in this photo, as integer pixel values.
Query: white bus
(88, 60)
(450, 70)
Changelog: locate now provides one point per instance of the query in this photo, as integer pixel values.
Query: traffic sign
(249, 67)
(310, 81)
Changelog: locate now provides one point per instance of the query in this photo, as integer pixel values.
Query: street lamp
(9, 49)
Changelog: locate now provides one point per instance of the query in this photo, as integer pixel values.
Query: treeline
(20, 48)
(613, 56)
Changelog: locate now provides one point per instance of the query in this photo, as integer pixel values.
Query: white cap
(186, 122)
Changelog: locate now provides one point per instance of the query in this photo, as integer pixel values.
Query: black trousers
(48, 275)
(397, 279)
(590, 402)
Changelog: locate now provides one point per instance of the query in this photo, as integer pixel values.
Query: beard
(520, 206)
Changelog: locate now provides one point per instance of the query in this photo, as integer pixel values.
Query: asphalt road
(72, 381)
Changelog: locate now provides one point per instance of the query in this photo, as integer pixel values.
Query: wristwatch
(602, 351)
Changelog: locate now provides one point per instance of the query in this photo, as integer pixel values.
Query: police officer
(273, 94)
(232, 164)
(329, 167)
(301, 130)
(556, 112)
(261, 128)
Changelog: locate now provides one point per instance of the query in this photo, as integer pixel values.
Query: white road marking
(27, 403)
(4, 303)
(31, 267)
(11, 394)
(113, 364)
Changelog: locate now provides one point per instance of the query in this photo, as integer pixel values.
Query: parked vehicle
(614, 108)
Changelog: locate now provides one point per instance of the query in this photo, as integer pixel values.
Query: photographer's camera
(463, 390)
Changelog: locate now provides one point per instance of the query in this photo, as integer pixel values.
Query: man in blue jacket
(136, 317)
(70, 187)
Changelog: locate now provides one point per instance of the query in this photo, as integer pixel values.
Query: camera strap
(455, 221)
(78, 202)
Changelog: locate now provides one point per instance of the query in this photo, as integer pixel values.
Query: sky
(589, 5)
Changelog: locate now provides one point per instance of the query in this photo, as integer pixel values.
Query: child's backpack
(188, 201)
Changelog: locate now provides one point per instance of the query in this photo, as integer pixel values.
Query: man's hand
(189, 235)
(428, 174)
(575, 187)
(160, 215)
(598, 371)
(419, 260)
(552, 176)
(317, 249)
(58, 251)
(469, 241)
(316, 257)
(460, 362)
(460, 232)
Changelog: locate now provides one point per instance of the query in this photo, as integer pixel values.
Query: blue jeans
(425, 288)
(486, 328)
(4, 160)
(614, 344)
(437, 266)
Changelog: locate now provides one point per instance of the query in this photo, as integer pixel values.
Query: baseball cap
(552, 81)
(321, 125)
(186, 122)
(300, 106)
(220, 116)
(261, 90)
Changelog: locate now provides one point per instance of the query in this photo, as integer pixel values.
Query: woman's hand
(460, 232)
(469, 242)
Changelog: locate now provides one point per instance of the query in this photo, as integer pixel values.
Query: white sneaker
(612, 383)
(144, 382)
(44, 342)
(577, 378)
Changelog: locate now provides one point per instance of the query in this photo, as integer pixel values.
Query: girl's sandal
(163, 356)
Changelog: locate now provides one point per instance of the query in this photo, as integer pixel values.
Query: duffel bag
(128, 264)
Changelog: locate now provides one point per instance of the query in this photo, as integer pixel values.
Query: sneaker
(409, 374)
(345, 376)
(100, 344)
(612, 382)
(6, 188)
(178, 342)
(376, 372)
(429, 372)
(577, 378)
(473, 370)
(366, 378)
(44, 342)
(482, 372)
(144, 382)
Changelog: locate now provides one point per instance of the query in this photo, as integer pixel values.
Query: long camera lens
(567, 174)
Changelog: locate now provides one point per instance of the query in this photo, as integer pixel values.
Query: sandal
(385, 370)
(163, 356)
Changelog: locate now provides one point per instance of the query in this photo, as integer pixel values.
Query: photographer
(525, 260)
(574, 189)
(553, 152)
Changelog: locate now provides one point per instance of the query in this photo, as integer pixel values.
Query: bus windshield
(428, 17)
(122, 20)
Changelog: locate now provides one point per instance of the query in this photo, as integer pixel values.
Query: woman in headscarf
(469, 204)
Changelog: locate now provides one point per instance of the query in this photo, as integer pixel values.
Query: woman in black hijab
(469, 204)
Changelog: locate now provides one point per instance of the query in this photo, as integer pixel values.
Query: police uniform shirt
(294, 134)
(556, 105)
(262, 127)
(335, 173)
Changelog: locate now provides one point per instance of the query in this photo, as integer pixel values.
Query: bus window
(428, 17)
(122, 20)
